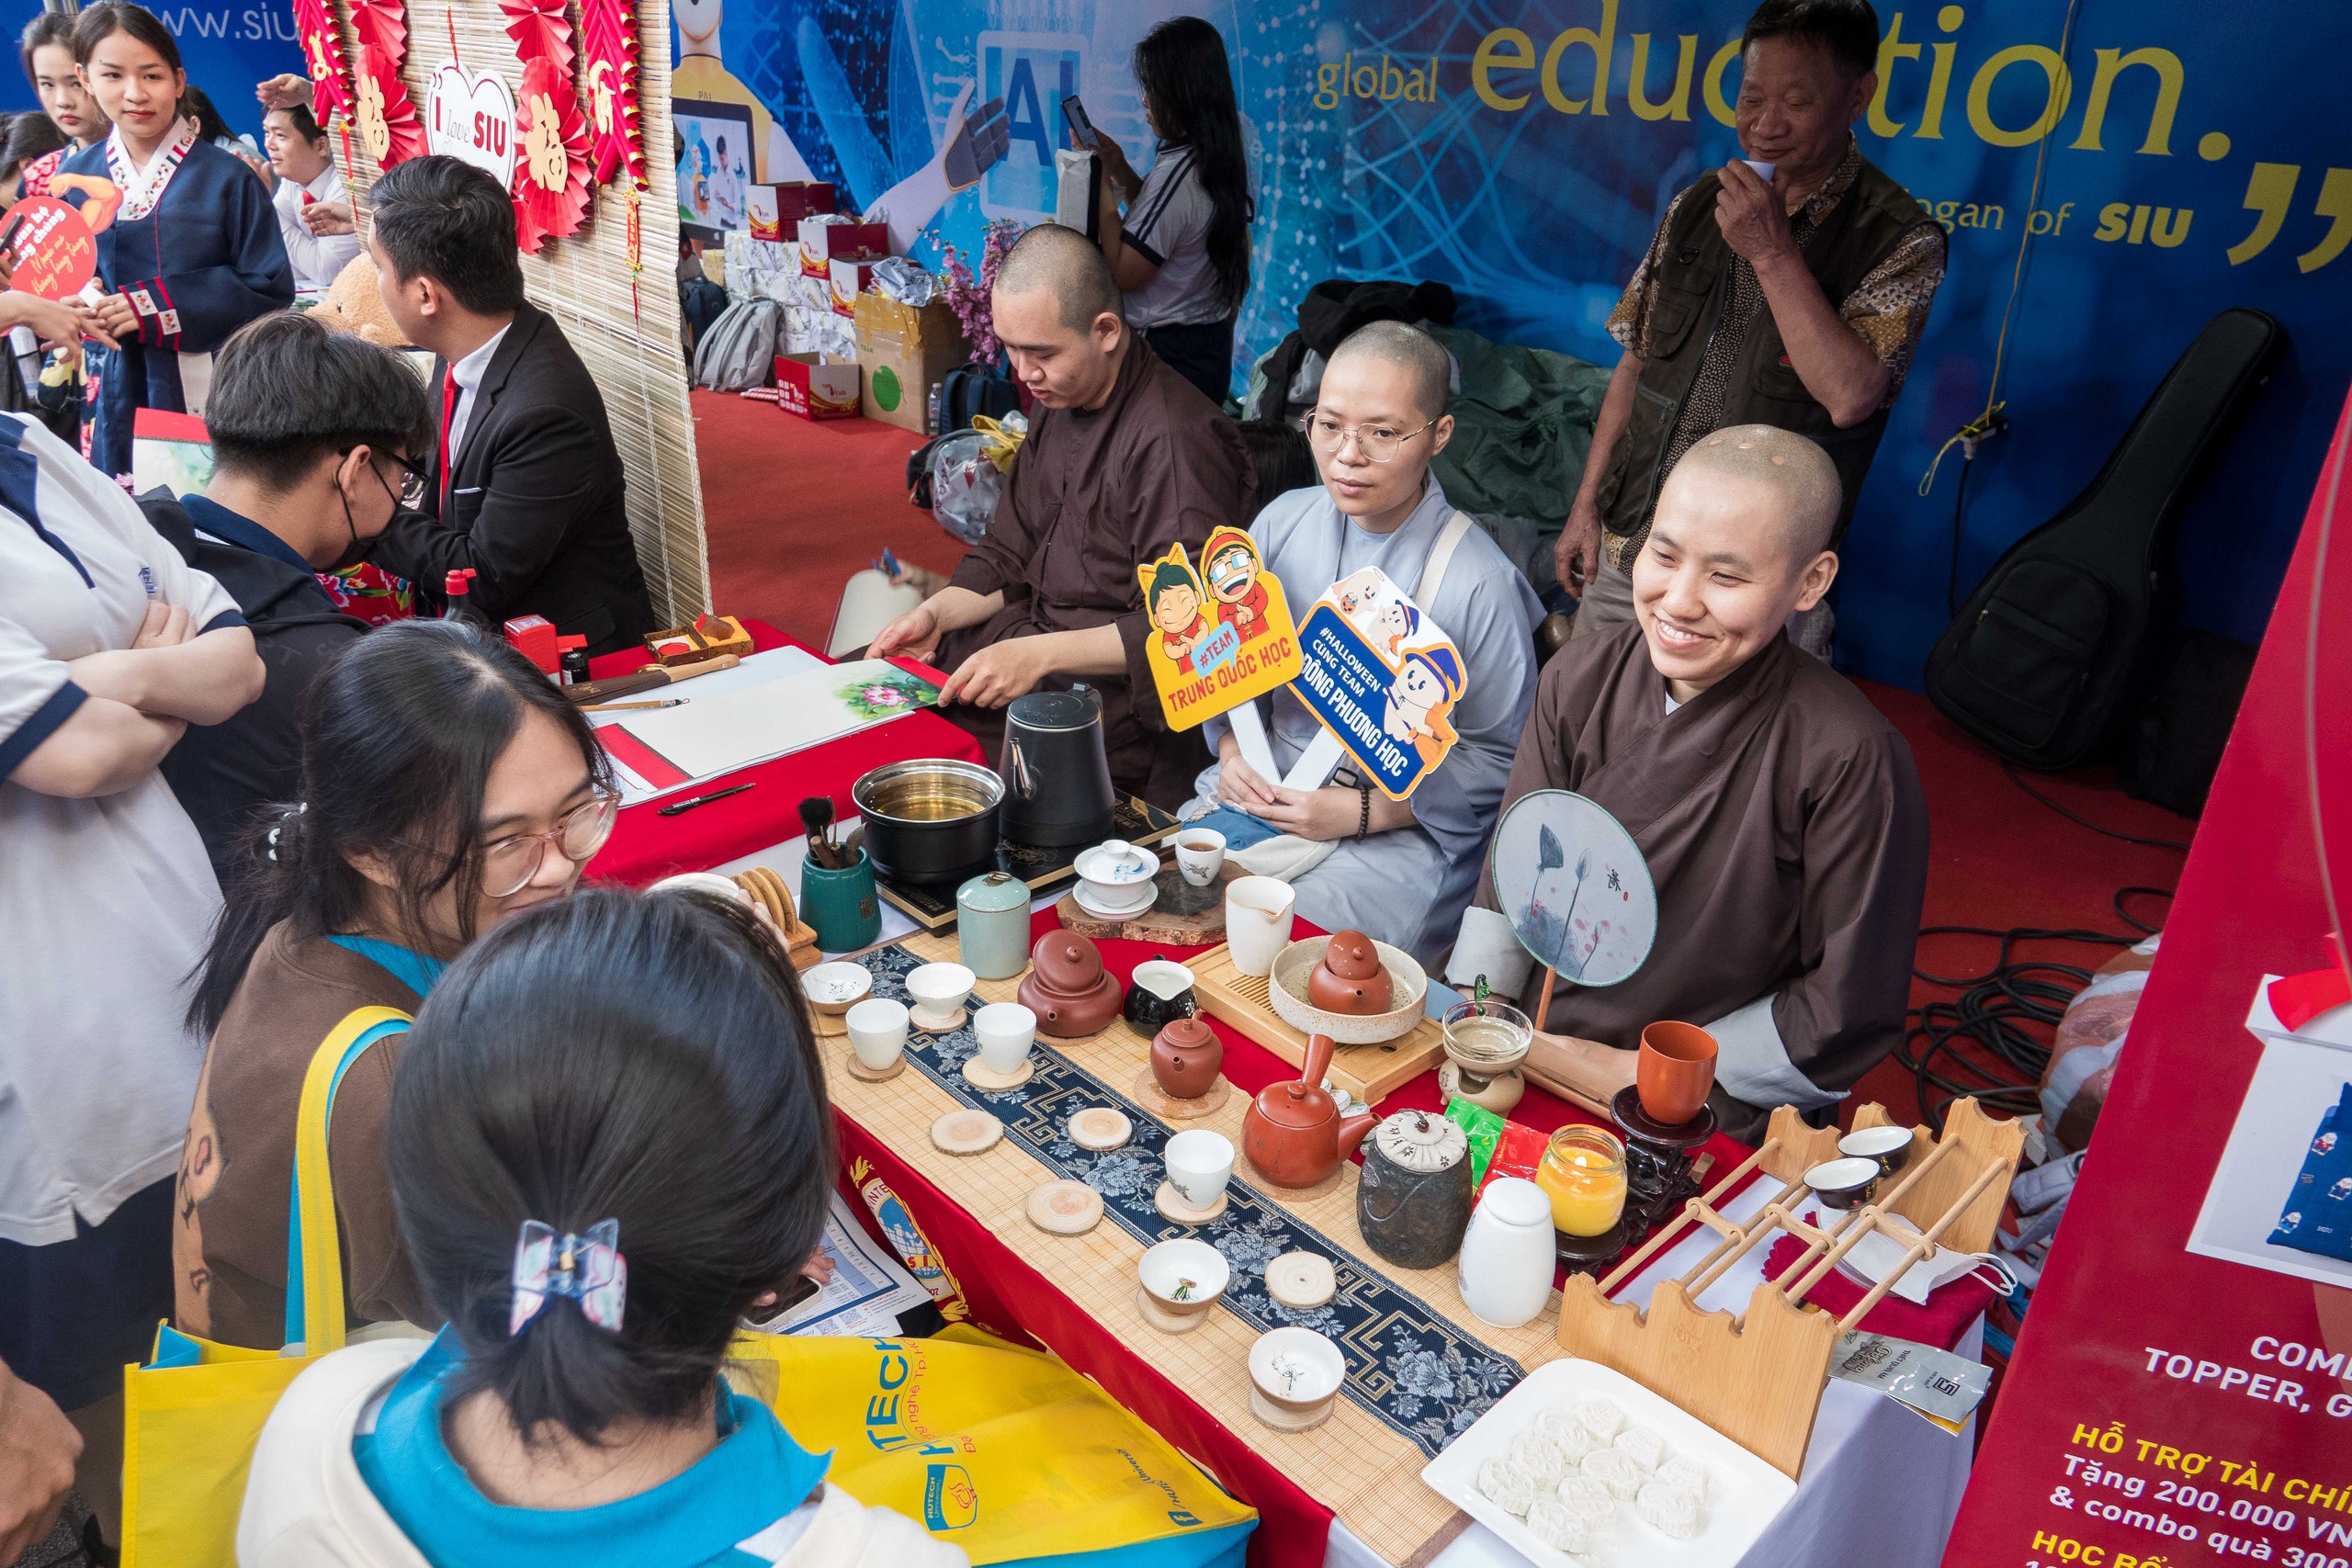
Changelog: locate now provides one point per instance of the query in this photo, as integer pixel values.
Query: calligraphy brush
(816, 817)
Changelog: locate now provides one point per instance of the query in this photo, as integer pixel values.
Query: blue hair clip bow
(588, 1269)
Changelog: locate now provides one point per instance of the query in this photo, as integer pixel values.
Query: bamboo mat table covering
(1357, 1464)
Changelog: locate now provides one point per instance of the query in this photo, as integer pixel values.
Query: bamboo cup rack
(1757, 1378)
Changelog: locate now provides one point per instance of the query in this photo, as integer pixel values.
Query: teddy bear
(353, 305)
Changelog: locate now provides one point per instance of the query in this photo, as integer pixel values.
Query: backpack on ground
(2044, 660)
(739, 351)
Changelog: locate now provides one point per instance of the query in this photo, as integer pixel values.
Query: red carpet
(793, 509)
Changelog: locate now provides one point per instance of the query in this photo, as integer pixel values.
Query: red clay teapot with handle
(1293, 1133)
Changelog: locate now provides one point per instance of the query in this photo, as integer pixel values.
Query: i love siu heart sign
(473, 118)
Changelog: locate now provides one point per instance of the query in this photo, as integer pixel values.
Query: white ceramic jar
(1508, 1254)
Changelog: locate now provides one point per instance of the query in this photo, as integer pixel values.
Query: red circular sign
(47, 249)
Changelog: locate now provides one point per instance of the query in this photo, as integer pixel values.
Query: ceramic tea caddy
(1413, 1195)
(1293, 1133)
(1068, 989)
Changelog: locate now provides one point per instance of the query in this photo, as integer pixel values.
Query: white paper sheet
(868, 1291)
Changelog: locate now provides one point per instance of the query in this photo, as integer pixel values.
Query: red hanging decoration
(387, 119)
(551, 167)
(541, 30)
(616, 134)
(322, 57)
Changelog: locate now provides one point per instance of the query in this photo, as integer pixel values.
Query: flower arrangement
(968, 296)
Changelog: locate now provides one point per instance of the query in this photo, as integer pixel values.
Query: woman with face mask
(188, 248)
(446, 787)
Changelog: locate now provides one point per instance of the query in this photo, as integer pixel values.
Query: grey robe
(1408, 887)
(1784, 826)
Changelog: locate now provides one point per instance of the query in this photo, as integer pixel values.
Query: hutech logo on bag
(950, 1501)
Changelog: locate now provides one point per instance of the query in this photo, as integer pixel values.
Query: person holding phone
(1181, 249)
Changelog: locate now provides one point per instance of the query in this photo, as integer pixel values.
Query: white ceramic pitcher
(1257, 921)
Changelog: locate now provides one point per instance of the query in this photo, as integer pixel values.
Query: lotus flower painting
(1574, 886)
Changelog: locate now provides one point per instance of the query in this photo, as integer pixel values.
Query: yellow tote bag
(193, 1414)
(1002, 1451)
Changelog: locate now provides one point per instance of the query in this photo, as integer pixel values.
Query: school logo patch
(950, 1501)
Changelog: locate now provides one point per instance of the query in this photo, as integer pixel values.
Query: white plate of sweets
(1582, 1467)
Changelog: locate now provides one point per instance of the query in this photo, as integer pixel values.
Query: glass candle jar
(1583, 1173)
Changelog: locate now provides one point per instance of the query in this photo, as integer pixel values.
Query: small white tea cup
(1005, 1032)
(1200, 855)
(1199, 1164)
(877, 1032)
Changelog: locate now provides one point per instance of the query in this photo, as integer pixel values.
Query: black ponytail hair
(644, 1058)
(399, 733)
(1181, 66)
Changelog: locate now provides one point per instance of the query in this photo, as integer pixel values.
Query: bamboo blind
(583, 280)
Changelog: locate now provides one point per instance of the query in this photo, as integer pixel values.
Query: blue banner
(2198, 158)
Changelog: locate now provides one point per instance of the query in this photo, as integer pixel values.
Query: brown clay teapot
(1293, 1133)
(1185, 1056)
(1349, 979)
(1068, 989)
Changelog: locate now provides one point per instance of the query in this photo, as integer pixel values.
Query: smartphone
(1074, 115)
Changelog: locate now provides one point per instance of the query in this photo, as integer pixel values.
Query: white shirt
(469, 372)
(317, 258)
(104, 904)
(1167, 225)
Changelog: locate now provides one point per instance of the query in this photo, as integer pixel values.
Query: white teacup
(877, 1032)
(1763, 170)
(1005, 1031)
(1199, 1164)
(939, 991)
(1200, 855)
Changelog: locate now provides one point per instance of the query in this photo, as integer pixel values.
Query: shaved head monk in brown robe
(1124, 459)
(1779, 812)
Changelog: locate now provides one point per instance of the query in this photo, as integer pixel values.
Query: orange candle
(1583, 1172)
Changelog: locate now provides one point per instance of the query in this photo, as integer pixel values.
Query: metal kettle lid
(1043, 712)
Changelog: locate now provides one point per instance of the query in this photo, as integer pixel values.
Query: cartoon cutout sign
(1220, 635)
(1383, 680)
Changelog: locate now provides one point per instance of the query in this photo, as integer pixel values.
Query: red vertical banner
(2182, 1391)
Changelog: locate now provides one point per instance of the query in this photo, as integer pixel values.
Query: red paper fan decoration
(381, 106)
(322, 57)
(541, 30)
(616, 135)
(552, 156)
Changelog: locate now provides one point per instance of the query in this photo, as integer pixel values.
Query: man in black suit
(525, 487)
(314, 436)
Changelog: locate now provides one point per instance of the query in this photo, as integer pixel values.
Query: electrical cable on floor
(2009, 1012)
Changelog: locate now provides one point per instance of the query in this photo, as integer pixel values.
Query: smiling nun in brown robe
(1779, 812)
(1124, 459)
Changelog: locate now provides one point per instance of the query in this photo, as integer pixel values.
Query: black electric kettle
(1056, 773)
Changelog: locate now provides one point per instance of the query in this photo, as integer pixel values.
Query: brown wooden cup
(1676, 1070)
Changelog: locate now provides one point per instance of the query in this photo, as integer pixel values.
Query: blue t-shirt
(739, 1505)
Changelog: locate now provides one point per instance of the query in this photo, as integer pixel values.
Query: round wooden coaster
(1300, 1280)
(1146, 1091)
(1171, 1206)
(1282, 1420)
(979, 1075)
(1167, 1322)
(1101, 1129)
(1065, 1208)
(858, 1069)
(965, 1132)
(936, 1023)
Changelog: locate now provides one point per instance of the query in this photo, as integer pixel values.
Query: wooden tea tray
(1369, 1073)
(1161, 925)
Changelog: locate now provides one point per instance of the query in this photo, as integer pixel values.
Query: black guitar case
(2045, 658)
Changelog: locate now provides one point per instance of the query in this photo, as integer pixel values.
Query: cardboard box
(850, 279)
(775, 210)
(815, 387)
(820, 242)
(902, 353)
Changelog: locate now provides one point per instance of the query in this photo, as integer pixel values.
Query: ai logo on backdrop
(1033, 72)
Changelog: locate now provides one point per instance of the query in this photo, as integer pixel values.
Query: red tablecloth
(647, 846)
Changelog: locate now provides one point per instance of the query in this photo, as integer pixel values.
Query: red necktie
(449, 415)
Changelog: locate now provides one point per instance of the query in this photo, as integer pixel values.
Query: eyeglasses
(416, 481)
(1377, 443)
(509, 865)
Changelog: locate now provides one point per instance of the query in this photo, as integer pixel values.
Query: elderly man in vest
(1792, 294)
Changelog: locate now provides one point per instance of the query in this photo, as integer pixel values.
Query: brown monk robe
(1779, 812)
(1124, 459)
